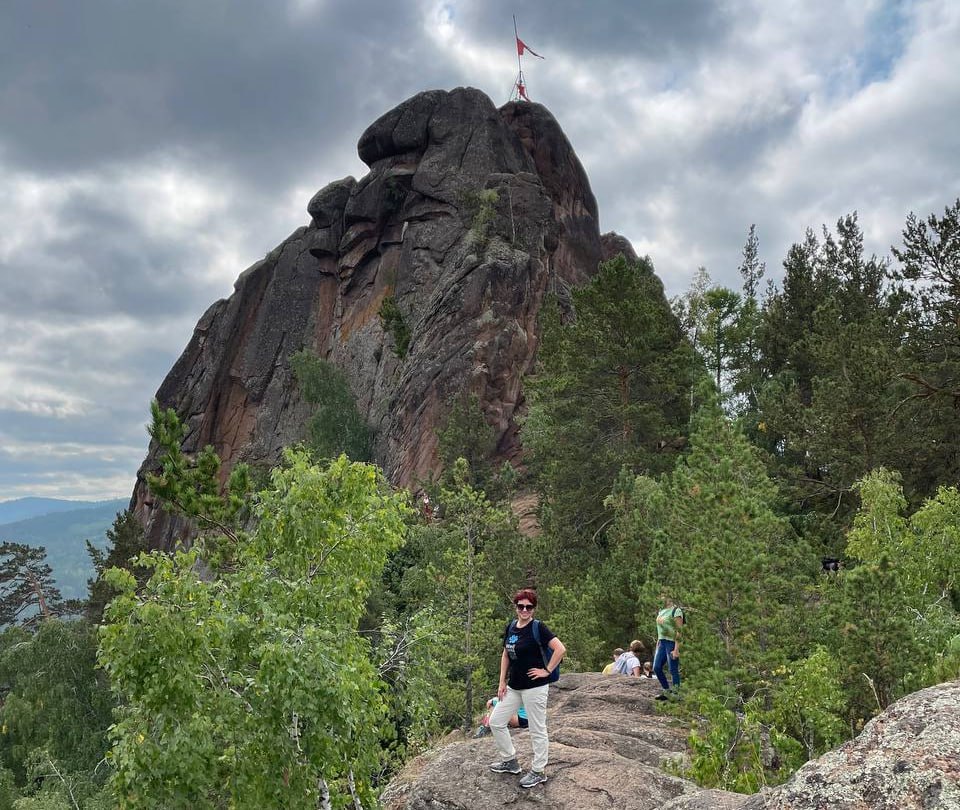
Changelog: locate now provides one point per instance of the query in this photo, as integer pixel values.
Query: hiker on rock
(609, 668)
(669, 624)
(629, 662)
(531, 655)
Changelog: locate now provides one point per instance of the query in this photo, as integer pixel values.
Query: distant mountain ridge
(62, 531)
(30, 507)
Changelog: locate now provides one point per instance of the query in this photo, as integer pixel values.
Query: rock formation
(608, 747)
(907, 758)
(468, 217)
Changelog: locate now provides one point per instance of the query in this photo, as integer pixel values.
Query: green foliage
(336, 426)
(50, 787)
(482, 208)
(465, 434)
(27, 590)
(253, 687)
(394, 323)
(192, 486)
(463, 556)
(56, 708)
(833, 346)
(928, 565)
(809, 704)
(719, 547)
(711, 316)
(726, 746)
(743, 745)
(611, 390)
(930, 257)
(125, 541)
(870, 627)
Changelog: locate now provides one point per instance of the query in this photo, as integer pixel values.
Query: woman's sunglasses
(525, 607)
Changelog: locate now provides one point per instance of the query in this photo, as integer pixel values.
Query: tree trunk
(467, 648)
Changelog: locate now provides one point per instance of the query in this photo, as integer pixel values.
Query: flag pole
(516, 37)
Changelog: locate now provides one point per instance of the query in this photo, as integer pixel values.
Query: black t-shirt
(524, 654)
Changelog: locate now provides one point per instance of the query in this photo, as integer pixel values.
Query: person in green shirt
(669, 625)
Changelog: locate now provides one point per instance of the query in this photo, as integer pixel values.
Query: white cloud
(785, 114)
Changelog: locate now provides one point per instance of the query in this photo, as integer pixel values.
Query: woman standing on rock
(524, 678)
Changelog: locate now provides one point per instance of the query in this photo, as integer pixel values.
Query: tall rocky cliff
(468, 217)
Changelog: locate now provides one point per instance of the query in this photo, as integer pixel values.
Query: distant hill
(23, 508)
(62, 533)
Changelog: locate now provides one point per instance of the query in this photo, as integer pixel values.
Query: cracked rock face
(608, 747)
(907, 758)
(468, 217)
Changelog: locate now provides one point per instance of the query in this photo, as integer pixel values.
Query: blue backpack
(545, 652)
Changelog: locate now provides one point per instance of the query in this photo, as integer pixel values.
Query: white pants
(535, 704)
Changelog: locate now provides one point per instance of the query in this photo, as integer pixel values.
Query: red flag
(522, 46)
(522, 91)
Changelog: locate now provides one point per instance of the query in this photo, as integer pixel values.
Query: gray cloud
(152, 151)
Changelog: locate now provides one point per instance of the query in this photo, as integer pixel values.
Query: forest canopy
(780, 459)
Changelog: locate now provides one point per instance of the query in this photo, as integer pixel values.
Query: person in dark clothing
(523, 682)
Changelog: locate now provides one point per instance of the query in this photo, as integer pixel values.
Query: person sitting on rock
(518, 720)
(608, 669)
(629, 662)
(647, 670)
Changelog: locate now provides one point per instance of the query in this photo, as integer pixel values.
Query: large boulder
(468, 217)
(907, 758)
(608, 748)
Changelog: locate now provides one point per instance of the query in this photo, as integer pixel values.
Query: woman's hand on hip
(538, 672)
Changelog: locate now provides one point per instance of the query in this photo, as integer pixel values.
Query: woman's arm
(504, 665)
(557, 652)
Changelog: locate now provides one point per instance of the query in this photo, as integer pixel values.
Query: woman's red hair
(526, 593)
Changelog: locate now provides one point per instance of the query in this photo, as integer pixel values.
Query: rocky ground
(608, 749)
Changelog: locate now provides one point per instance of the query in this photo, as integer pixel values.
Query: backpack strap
(543, 650)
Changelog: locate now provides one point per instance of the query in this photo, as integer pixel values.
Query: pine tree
(336, 426)
(930, 266)
(831, 343)
(125, 541)
(877, 654)
(747, 365)
(28, 592)
(711, 316)
(735, 565)
(611, 390)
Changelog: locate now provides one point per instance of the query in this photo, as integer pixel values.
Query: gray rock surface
(470, 291)
(907, 758)
(607, 748)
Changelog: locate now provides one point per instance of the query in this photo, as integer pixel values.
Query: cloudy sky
(150, 151)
